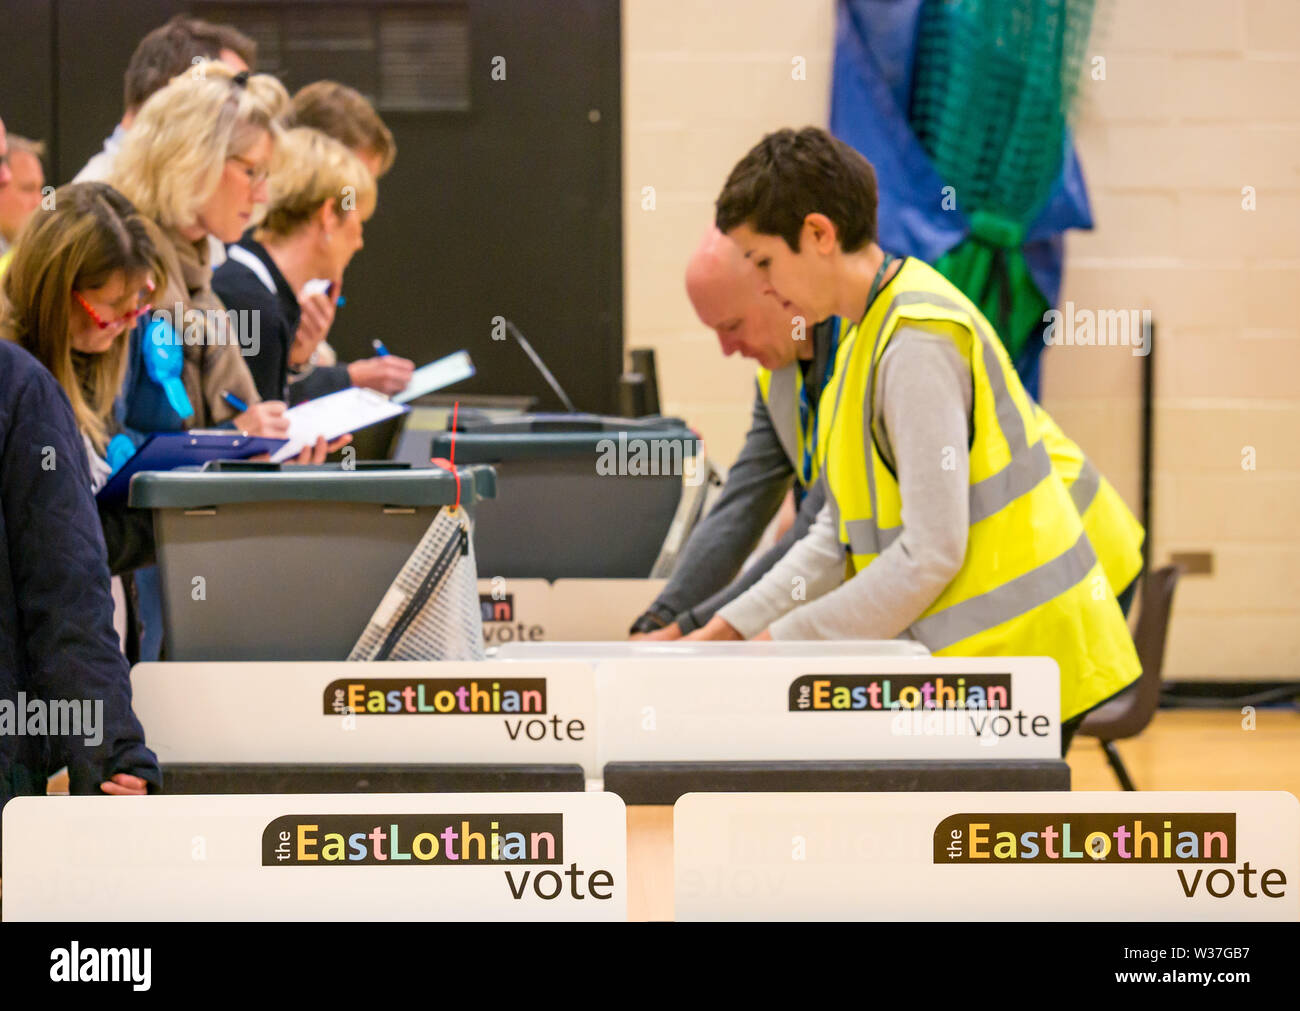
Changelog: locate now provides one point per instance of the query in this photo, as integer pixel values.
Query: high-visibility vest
(1114, 532)
(5, 259)
(793, 414)
(1030, 584)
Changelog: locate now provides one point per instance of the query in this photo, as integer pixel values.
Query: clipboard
(169, 450)
(454, 368)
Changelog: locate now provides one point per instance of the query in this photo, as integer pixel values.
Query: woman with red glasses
(81, 276)
(75, 284)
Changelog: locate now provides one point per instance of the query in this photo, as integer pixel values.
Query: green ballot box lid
(228, 482)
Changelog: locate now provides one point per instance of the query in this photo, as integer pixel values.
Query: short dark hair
(172, 48)
(344, 114)
(788, 175)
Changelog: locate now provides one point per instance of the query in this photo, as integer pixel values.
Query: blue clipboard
(169, 450)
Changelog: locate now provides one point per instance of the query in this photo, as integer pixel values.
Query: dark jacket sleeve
(61, 584)
(259, 326)
(128, 537)
(718, 546)
(318, 382)
(701, 613)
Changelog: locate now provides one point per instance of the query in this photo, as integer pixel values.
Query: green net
(992, 89)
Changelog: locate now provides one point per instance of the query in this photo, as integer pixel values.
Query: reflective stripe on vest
(1114, 531)
(1031, 583)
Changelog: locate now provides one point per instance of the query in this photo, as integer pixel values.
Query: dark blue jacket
(56, 611)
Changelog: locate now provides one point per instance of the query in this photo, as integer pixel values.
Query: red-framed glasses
(126, 318)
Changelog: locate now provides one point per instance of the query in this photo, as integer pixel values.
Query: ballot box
(582, 495)
(263, 562)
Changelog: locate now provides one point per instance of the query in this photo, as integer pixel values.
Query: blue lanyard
(806, 410)
(805, 404)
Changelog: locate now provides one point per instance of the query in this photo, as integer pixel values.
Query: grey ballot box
(259, 562)
(561, 515)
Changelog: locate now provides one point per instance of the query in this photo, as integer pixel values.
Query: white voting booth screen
(987, 856)
(411, 856)
(537, 610)
(389, 711)
(826, 708)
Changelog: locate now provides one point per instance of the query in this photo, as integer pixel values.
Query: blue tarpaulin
(875, 47)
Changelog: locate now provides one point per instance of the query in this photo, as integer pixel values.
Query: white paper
(332, 416)
(434, 376)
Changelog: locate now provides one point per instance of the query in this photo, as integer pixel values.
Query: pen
(234, 401)
(378, 345)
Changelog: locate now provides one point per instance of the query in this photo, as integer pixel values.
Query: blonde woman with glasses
(197, 162)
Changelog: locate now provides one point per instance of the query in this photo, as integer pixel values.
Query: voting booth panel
(525, 611)
(1194, 856)
(678, 723)
(270, 564)
(510, 856)
(466, 722)
(582, 496)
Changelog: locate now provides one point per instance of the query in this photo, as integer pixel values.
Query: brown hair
(787, 175)
(92, 233)
(344, 114)
(172, 49)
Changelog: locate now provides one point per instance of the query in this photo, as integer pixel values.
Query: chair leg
(1117, 764)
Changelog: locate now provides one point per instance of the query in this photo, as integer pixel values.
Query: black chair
(1128, 714)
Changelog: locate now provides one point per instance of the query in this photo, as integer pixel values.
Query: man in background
(162, 54)
(21, 195)
(779, 451)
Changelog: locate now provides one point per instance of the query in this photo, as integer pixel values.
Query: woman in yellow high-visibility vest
(945, 521)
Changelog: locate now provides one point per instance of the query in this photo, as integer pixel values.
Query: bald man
(794, 363)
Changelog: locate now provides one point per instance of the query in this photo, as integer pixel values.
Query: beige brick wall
(702, 82)
(1198, 101)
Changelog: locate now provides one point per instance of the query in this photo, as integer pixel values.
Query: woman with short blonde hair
(197, 160)
(321, 194)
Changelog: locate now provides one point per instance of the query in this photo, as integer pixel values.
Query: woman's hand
(125, 785)
(265, 419)
(313, 326)
(715, 630)
(386, 373)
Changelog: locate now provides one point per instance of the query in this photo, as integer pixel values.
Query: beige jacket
(213, 364)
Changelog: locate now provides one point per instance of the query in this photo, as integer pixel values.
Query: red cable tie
(450, 465)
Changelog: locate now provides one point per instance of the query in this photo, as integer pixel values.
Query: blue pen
(378, 345)
(234, 401)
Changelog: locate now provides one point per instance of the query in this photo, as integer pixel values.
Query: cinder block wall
(1197, 103)
(1195, 120)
